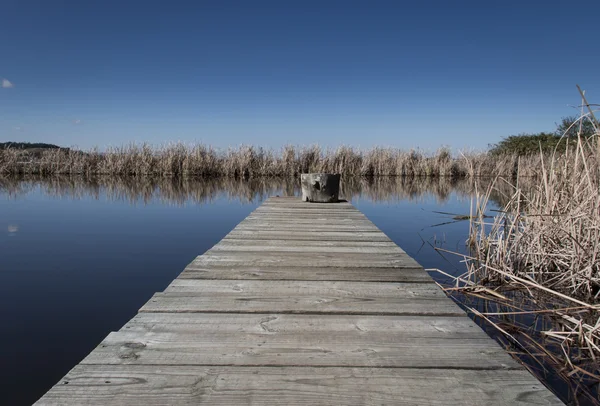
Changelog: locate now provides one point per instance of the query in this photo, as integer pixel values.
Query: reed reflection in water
(205, 190)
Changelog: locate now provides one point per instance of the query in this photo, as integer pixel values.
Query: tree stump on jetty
(320, 187)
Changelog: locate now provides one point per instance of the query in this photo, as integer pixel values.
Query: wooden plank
(272, 213)
(306, 213)
(304, 205)
(293, 324)
(298, 202)
(309, 297)
(317, 259)
(305, 228)
(301, 340)
(300, 273)
(331, 225)
(372, 236)
(138, 385)
(304, 209)
(283, 220)
(303, 249)
(310, 244)
(309, 213)
(309, 219)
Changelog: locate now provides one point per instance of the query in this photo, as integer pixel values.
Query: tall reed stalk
(540, 259)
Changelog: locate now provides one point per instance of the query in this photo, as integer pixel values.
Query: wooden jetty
(301, 304)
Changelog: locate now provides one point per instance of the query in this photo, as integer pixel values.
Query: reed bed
(181, 160)
(536, 266)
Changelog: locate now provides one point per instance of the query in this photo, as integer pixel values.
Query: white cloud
(7, 84)
(76, 121)
(17, 128)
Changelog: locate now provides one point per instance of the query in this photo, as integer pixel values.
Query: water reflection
(182, 191)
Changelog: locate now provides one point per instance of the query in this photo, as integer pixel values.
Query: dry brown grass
(180, 160)
(540, 258)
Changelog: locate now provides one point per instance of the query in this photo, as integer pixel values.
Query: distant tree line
(529, 144)
(27, 145)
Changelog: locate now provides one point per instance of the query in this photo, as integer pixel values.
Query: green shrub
(569, 126)
(527, 144)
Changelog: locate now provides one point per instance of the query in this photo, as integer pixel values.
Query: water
(78, 258)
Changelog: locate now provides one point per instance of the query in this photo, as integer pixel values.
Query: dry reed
(540, 258)
(180, 160)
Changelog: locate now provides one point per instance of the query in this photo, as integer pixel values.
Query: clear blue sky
(391, 73)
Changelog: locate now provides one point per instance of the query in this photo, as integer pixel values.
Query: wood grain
(140, 385)
(316, 259)
(309, 297)
(305, 273)
(292, 235)
(301, 340)
(310, 243)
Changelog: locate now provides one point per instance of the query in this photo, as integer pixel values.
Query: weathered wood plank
(307, 235)
(297, 201)
(324, 288)
(303, 249)
(309, 214)
(300, 273)
(300, 340)
(304, 228)
(331, 223)
(333, 226)
(138, 385)
(278, 213)
(294, 324)
(302, 205)
(284, 245)
(348, 209)
(312, 205)
(310, 297)
(308, 220)
(227, 241)
(316, 259)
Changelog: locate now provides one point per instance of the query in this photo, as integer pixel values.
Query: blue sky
(269, 73)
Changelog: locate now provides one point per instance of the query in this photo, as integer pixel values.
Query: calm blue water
(78, 259)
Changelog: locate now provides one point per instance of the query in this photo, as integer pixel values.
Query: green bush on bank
(530, 144)
(527, 144)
